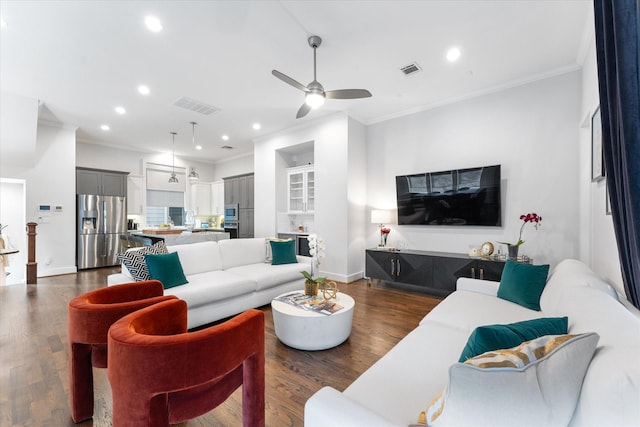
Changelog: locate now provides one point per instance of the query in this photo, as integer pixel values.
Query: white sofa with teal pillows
(217, 279)
(585, 375)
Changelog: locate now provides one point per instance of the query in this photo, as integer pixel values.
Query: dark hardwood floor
(34, 382)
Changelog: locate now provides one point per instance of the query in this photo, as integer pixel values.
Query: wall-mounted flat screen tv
(459, 197)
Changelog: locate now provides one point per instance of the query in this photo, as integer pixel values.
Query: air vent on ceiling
(410, 69)
(197, 106)
(227, 147)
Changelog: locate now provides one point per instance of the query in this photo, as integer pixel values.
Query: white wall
(356, 199)
(598, 246)
(236, 166)
(334, 217)
(531, 130)
(52, 181)
(19, 118)
(109, 158)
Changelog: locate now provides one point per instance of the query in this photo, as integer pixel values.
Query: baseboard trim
(46, 272)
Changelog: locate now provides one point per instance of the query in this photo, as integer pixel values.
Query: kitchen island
(195, 236)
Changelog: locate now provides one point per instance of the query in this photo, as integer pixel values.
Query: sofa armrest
(118, 278)
(329, 407)
(487, 287)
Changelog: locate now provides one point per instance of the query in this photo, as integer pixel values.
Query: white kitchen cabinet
(301, 185)
(135, 191)
(217, 197)
(200, 200)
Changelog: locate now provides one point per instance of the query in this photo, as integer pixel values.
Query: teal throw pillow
(497, 337)
(166, 268)
(283, 252)
(523, 283)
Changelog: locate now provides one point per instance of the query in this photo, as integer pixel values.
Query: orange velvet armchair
(90, 316)
(160, 374)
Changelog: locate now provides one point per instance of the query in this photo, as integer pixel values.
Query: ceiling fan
(315, 93)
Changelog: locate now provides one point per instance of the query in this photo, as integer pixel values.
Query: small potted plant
(311, 285)
(533, 218)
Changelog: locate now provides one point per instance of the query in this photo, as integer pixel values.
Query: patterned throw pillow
(134, 261)
(536, 383)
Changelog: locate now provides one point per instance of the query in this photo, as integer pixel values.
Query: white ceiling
(83, 58)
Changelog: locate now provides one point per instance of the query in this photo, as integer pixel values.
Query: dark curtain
(617, 47)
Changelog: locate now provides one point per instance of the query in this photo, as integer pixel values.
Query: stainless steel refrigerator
(101, 220)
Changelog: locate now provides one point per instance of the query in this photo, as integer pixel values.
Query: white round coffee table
(306, 330)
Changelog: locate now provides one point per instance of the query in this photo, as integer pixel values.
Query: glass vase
(513, 252)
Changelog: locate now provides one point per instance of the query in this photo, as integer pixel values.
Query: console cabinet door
(490, 270)
(409, 269)
(380, 265)
(414, 270)
(447, 271)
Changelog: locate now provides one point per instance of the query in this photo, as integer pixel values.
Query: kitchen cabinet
(135, 191)
(200, 199)
(239, 190)
(248, 194)
(245, 223)
(301, 189)
(99, 182)
(428, 272)
(217, 198)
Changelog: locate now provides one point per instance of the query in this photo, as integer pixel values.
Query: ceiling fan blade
(303, 111)
(348, 94)
(288, 80)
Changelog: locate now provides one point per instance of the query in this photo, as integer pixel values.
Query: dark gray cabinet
(245, 223)
(239, 189)
(105, 183)
(428, 272)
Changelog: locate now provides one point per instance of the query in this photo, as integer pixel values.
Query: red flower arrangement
(533, 218)
(384, 233)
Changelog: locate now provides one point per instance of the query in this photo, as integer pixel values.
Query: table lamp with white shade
(381, 217)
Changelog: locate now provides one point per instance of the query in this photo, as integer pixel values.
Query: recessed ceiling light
(198, 147)
(105, 127)
(153, 23)
(257, 126)
(120, 110)
(143, 89)
(453, 54)
(225, 137)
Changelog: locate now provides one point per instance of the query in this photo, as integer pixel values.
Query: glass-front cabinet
(301, 189)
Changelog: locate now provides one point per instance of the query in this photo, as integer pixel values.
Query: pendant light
(173, 179)
(193, 174)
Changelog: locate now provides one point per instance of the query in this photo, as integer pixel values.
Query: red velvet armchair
(160, 374)
(90, 316)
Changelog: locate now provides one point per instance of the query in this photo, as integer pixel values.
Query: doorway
(13, 219)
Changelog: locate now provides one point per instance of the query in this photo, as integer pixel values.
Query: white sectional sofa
(227, 277)
(401, 384)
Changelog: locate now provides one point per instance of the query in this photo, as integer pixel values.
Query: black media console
(428, 272)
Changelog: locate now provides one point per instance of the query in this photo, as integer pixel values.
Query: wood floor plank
(34, 382)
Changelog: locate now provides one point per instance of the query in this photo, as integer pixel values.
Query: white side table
(306, 330)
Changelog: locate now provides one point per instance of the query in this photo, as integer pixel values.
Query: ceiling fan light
(314, 100)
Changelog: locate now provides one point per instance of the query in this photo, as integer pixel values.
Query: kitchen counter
(295, 233)
(202, 235)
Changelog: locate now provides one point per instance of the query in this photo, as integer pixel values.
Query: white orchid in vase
(316, 250)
